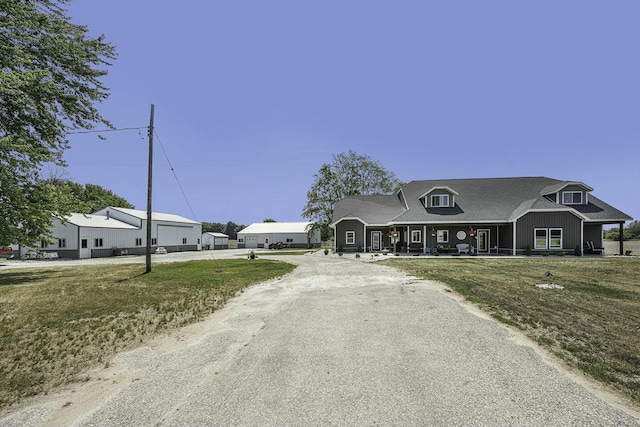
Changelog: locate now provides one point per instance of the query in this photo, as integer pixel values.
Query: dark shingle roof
(375, 209)
(478, 200)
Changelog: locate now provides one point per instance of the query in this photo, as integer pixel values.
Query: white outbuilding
(288, 234)
(117, 231)
(213, 240)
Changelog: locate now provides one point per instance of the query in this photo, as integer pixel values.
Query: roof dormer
(439, 197)
(569, 193)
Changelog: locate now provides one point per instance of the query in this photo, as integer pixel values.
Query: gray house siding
(341, 235)
(593, 232)
(505, 239)
(570, 224)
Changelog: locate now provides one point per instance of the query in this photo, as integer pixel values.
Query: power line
(105, 130)
(174, 174)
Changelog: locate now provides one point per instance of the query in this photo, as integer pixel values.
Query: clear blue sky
(252, 97)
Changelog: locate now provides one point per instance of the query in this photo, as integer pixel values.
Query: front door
(85, 250)
(376, 237)
(483, 241)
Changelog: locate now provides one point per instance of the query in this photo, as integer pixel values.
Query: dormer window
(572, 198)
(440, 200)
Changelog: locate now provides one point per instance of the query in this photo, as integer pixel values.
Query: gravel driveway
(337, 342)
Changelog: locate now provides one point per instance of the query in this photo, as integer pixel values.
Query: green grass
(592, 324)
(56, 323)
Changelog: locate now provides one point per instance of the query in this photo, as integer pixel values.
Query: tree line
(630, 232)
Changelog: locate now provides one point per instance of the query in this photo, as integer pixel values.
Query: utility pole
(149, 191)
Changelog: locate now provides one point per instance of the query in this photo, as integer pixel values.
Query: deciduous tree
(50, 80)
(349, 174)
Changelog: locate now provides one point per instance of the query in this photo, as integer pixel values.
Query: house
(213, 240)
(113, 231)
(290, 234)
(491, 215)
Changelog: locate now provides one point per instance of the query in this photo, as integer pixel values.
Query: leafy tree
(214, 227)
(230, 230)
(91, 197)
(237, 230)
(50, 79)
(349, 174)
(634, 229)
(269, 220)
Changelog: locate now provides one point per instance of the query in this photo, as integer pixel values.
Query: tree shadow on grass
(23, 277)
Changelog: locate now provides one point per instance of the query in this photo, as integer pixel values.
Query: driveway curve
(339, 341)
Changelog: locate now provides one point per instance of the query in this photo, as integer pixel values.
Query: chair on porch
(591, 249)
(463, 248)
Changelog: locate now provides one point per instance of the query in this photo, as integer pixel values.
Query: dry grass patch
(56, 323)
(593, 323)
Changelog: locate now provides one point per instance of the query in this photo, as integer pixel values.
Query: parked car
(161, 250)
(6, 252)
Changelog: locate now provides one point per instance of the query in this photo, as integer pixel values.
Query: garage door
(251, 242)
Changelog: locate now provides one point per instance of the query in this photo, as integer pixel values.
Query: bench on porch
(415, 247)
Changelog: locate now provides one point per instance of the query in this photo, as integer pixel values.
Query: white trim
(561, 238)
(346, 237)
(567, 209)
(439, 187)
(379, 233)
(439, 205)
(573, 192)
(439, 232)
(535, 238)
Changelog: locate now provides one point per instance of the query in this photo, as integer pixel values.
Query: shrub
(359, 247)
(577, 251)
(340, 248)
(527, 251)
(326, 251)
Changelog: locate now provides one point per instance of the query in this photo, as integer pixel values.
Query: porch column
(408, 239)
(424, 239)
(514, 238)
(621, 238)
(364, 247)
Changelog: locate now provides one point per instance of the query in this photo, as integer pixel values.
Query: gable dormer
(439, 197)
(569, 193)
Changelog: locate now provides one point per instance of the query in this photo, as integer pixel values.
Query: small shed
(289, 234)
(212, 240)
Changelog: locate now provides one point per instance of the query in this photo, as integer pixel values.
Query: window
(416, 236)
(138, 241)
(43, 243)
(84, 244)
(97, 243)
(351, 238)
(184, 240)
(443, 236)
(289, 240)
(154, 241)
(555, 238)
(548, 238)
(440, 200)
(540, 238)
(572, 198)
(241, 240)
(62, 243)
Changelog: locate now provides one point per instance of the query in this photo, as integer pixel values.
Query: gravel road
(339, 341)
